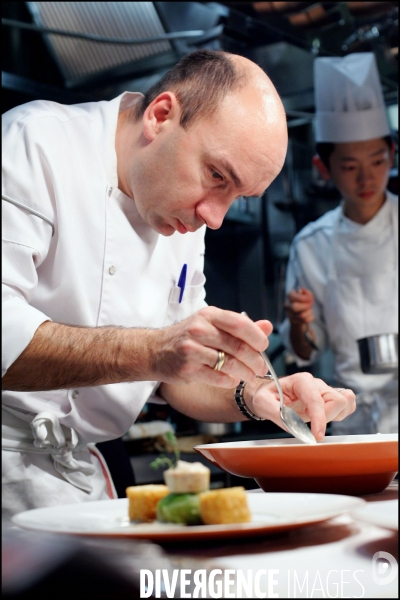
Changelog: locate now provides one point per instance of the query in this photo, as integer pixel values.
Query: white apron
(357, 307)
(57, 473)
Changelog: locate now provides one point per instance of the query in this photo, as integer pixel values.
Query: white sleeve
(26, 239)
(19, 323)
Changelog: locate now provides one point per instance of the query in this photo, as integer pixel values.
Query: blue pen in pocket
(182, 281)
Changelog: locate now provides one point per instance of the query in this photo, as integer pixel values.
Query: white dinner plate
(271, 513)
(384, 514)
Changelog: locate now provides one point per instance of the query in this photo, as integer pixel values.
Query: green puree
(180, 508)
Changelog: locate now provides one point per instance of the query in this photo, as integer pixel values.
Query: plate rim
(359, 515)
(196, 532)
(241, 444)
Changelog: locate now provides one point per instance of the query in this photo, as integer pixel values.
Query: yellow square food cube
(143, 500)
(227, 505)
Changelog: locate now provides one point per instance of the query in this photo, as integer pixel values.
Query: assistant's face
(185, 179)
(360, 170)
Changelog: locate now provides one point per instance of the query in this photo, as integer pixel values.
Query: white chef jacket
(352, 270)
(91, 261)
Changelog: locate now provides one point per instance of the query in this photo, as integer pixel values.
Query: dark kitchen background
(246, 258)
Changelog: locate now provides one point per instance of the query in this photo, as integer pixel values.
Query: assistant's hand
(298, 306)
(188, 351)
(310, 397)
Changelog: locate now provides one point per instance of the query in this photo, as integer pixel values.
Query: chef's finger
(306, 293)
(215, 378)
(298, 306)
(301, 294)
(197, 342)
(233, 367)
(227, 355)
(295, 319)
(306, 390)
(348, 407)
(265, 326)
(339, 403)
(300, 387)
(238, 326)
(241, 360)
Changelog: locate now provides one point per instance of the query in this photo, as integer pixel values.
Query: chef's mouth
(181, 227)
(366, 194)
(187, 228)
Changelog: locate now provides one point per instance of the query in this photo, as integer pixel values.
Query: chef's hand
(299, 310)
(310, 397)
(187, 352)
(298, 306)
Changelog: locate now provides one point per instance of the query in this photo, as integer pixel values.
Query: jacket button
(112, 270)
(75, 394)
(110, 191)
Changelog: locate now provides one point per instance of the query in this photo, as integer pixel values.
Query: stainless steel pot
(379, 353)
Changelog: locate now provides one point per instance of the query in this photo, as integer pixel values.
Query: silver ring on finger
(340, 389)
(220, 361)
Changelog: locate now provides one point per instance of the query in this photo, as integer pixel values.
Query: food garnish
(185, 498)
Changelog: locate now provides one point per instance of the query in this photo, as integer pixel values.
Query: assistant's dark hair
(325, 149)
(200, 82)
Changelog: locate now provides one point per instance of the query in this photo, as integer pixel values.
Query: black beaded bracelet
(241, 403)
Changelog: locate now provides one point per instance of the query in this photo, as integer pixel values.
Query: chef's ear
(162, 110)
(322, 168)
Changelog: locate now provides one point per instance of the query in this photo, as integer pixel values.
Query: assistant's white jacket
(352, 270)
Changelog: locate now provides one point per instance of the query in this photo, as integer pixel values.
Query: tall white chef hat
(348, 99)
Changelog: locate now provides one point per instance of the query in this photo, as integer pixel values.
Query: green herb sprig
(163, 460)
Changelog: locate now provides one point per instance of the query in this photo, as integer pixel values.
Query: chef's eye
(215, 175)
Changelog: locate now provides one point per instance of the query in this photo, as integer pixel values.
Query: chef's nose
(212, 211)
(365, 173)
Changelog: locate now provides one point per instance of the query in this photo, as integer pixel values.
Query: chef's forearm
(207, 403)
(202, 402)
(62, 356)
(298, 340)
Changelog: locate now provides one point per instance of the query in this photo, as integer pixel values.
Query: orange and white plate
(271, 513)
(352, 464)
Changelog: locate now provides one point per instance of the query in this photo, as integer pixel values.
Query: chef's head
(211, 130)
(354, 146)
